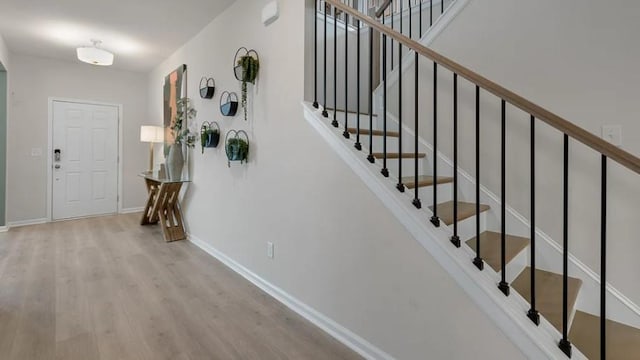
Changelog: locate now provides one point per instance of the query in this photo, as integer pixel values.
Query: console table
(163, 205)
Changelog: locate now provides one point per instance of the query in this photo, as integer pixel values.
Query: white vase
(175, 162)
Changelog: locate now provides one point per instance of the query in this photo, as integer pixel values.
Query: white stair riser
(445, 193)
(352, 120)
(467, 227)
(518, 264)
(408, 166)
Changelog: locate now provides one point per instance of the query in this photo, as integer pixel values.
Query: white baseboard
(4, 229)
(132, 210)
(20, 223)
(340, 333)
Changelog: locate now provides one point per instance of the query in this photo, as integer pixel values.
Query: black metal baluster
(400, 186)
(410, 22)
(416, 197)
(564, 344)
(370, 157)
(346, 76)
(315, 55)
(434, 219)
(420, 12)
(324, 106)
(477, 261)
(335, 68)
(392, 28)
(441, 6)
(603, 261)
(401, 29)
(430, 13)
(384, 171)
(357, 144)
(504, 285)
(455, 239)
(533, 312)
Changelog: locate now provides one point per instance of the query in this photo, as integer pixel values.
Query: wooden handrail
(624, 158)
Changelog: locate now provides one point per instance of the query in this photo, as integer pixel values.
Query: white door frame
(50, 150)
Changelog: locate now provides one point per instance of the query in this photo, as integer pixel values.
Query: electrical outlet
(613, 134)
(270, 250)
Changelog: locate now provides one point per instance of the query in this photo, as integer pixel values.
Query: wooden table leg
(168, 209)
(150, 217)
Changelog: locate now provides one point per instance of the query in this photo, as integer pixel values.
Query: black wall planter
(228, 103)
(239, 70)
(207, 88)
(209, 135)
(236, 146)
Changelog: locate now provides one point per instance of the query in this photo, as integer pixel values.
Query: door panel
(85, 178)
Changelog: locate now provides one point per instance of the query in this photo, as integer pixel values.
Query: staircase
(474, 220)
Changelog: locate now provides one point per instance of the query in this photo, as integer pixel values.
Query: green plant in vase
(237, 149)
(181, 133)
(250, 67)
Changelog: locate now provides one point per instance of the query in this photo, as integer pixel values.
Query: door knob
(57, 166)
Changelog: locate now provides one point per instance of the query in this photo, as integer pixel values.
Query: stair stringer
(548, 252)
(508, 313)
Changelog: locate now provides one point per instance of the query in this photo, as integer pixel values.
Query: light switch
(612, 134)
(36, 152)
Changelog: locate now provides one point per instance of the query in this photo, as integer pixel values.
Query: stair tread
(374, 132)
(623, 341)
(491, 246)
(392, 155)
(424, 180)
(465, 210)
(548, 293)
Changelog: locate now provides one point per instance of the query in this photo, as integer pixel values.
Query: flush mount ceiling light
(94, 55)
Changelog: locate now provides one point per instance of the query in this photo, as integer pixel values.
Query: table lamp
(151, 134)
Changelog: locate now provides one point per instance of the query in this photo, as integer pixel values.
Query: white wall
(337, 248)
(33, 81)
(575, 60)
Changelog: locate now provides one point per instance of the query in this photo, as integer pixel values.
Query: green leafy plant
(209, 133)
(181, 133)
(237, 149)
(250, 67)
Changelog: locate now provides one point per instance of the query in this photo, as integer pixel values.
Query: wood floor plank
(107, 288)
(35, 333)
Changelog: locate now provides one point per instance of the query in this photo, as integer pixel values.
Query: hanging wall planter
(237, 146)
(246, 65)
(209, 135)
(207, 87)
(228, 103)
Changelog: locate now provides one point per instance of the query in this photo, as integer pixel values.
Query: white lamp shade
(95, 56)
(152, 134)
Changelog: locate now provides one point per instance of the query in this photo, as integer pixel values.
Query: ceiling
(141, 33)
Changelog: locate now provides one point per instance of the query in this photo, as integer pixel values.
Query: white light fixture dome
(94, 55)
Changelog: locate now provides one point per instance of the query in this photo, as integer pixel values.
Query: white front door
(85, 160)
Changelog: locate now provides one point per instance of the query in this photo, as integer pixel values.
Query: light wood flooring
(108, 288)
